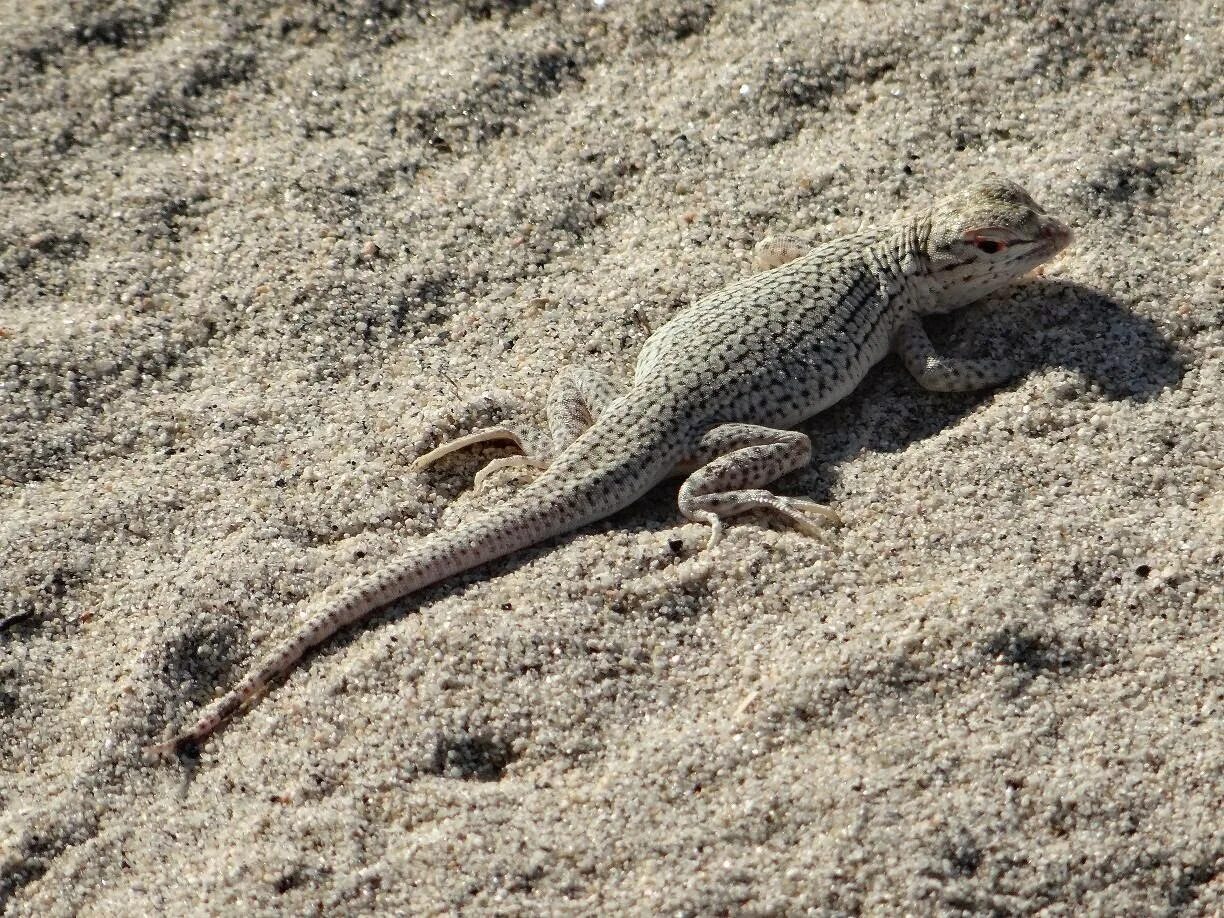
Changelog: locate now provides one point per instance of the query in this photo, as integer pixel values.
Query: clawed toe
(798, 512)
(494, 435)
(795, 507)
(506, 462)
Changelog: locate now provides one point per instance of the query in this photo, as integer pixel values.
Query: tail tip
(171, 748)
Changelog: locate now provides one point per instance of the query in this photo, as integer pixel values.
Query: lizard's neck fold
(902, 262)
(910, 245)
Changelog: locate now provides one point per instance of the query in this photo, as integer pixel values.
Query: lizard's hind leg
(734, 461)
(576, 398)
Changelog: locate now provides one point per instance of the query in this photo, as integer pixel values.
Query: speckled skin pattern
(715, 390)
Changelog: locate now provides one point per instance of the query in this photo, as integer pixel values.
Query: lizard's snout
(1058, 233)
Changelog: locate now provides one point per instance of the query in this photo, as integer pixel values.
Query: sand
(252, 264)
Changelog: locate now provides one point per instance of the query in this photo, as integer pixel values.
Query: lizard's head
(984, 237)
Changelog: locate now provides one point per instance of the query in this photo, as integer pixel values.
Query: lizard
(716, 394)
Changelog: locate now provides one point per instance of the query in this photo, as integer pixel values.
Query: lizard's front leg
(734, 461)
(938, 373)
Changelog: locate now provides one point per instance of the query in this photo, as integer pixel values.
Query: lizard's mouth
(1055, 236)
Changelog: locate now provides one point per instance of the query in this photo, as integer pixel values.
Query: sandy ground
(251, 264)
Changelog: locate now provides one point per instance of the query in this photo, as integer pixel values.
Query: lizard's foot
(797, 511)
(492, 435)
(733, 461)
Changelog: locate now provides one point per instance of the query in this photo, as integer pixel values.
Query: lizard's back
(776, 347)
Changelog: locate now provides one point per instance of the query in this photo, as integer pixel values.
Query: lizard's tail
(536, 513)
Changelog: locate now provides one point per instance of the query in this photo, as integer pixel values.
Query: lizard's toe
(492, 435)
(799, 511)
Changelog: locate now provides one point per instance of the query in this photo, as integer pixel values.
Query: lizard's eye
(990, 246)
